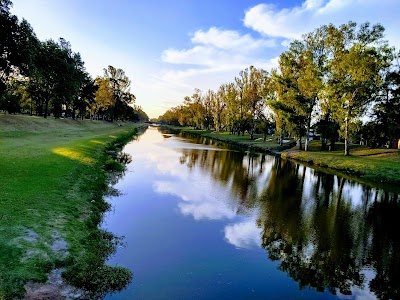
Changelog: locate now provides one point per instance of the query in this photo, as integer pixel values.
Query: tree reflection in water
(326, 231)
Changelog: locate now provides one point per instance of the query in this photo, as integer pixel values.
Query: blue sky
(169, 47)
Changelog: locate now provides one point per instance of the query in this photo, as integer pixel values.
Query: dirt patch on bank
(55, 289)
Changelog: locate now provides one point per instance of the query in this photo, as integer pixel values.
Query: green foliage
(386, 111)
(100, 279)
(354, 75)
(17, 44)
(113, 165)
(91, 274)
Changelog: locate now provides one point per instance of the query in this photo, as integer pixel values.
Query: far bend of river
(204, 222)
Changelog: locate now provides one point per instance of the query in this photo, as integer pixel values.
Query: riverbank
(270, 146)
(369, 165)
(53, 179)
(376, 165)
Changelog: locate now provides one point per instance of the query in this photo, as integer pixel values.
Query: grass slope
(51, 183)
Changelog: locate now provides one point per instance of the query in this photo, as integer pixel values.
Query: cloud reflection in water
(243, 235)
(196, 202)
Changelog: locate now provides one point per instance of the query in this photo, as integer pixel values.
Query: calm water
(204, 222)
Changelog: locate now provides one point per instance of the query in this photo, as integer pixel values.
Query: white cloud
(243, 235)
(198, 55)
(312, 4)
(293, 22)
(230, 40)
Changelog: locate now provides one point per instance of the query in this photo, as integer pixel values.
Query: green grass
(377, 165)
(52, 180)
(258, 144)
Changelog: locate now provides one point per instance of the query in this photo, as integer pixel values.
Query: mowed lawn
(50, 172)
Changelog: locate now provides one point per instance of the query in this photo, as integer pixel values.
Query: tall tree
(86, 97)
(231, 97)
(103, 98)
(218, 107)
(354, 76)
(120, 87)
(56, 77)
(208, 100)
(386, 111)
(300, 82)
(287, 115)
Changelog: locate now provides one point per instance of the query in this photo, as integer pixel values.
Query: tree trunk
(323, 144)
(346, 138)
(307, 135)
(324, 132)
(46, 108)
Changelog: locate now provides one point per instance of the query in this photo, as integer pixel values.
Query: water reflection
(243, 235)
(326, 232)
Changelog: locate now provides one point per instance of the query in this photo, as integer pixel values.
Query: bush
(113, 166)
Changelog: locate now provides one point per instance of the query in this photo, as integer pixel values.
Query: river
(202, 221)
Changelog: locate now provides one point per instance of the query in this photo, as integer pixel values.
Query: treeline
(325, 84)
(47, 78)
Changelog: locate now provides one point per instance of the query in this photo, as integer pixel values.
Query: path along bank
(53, 179)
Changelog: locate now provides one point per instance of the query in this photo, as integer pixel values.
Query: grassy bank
(52, 180)
(258, 144)
(377, 165)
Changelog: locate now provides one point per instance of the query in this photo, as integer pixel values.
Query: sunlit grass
(73, 154)
(97, 142)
